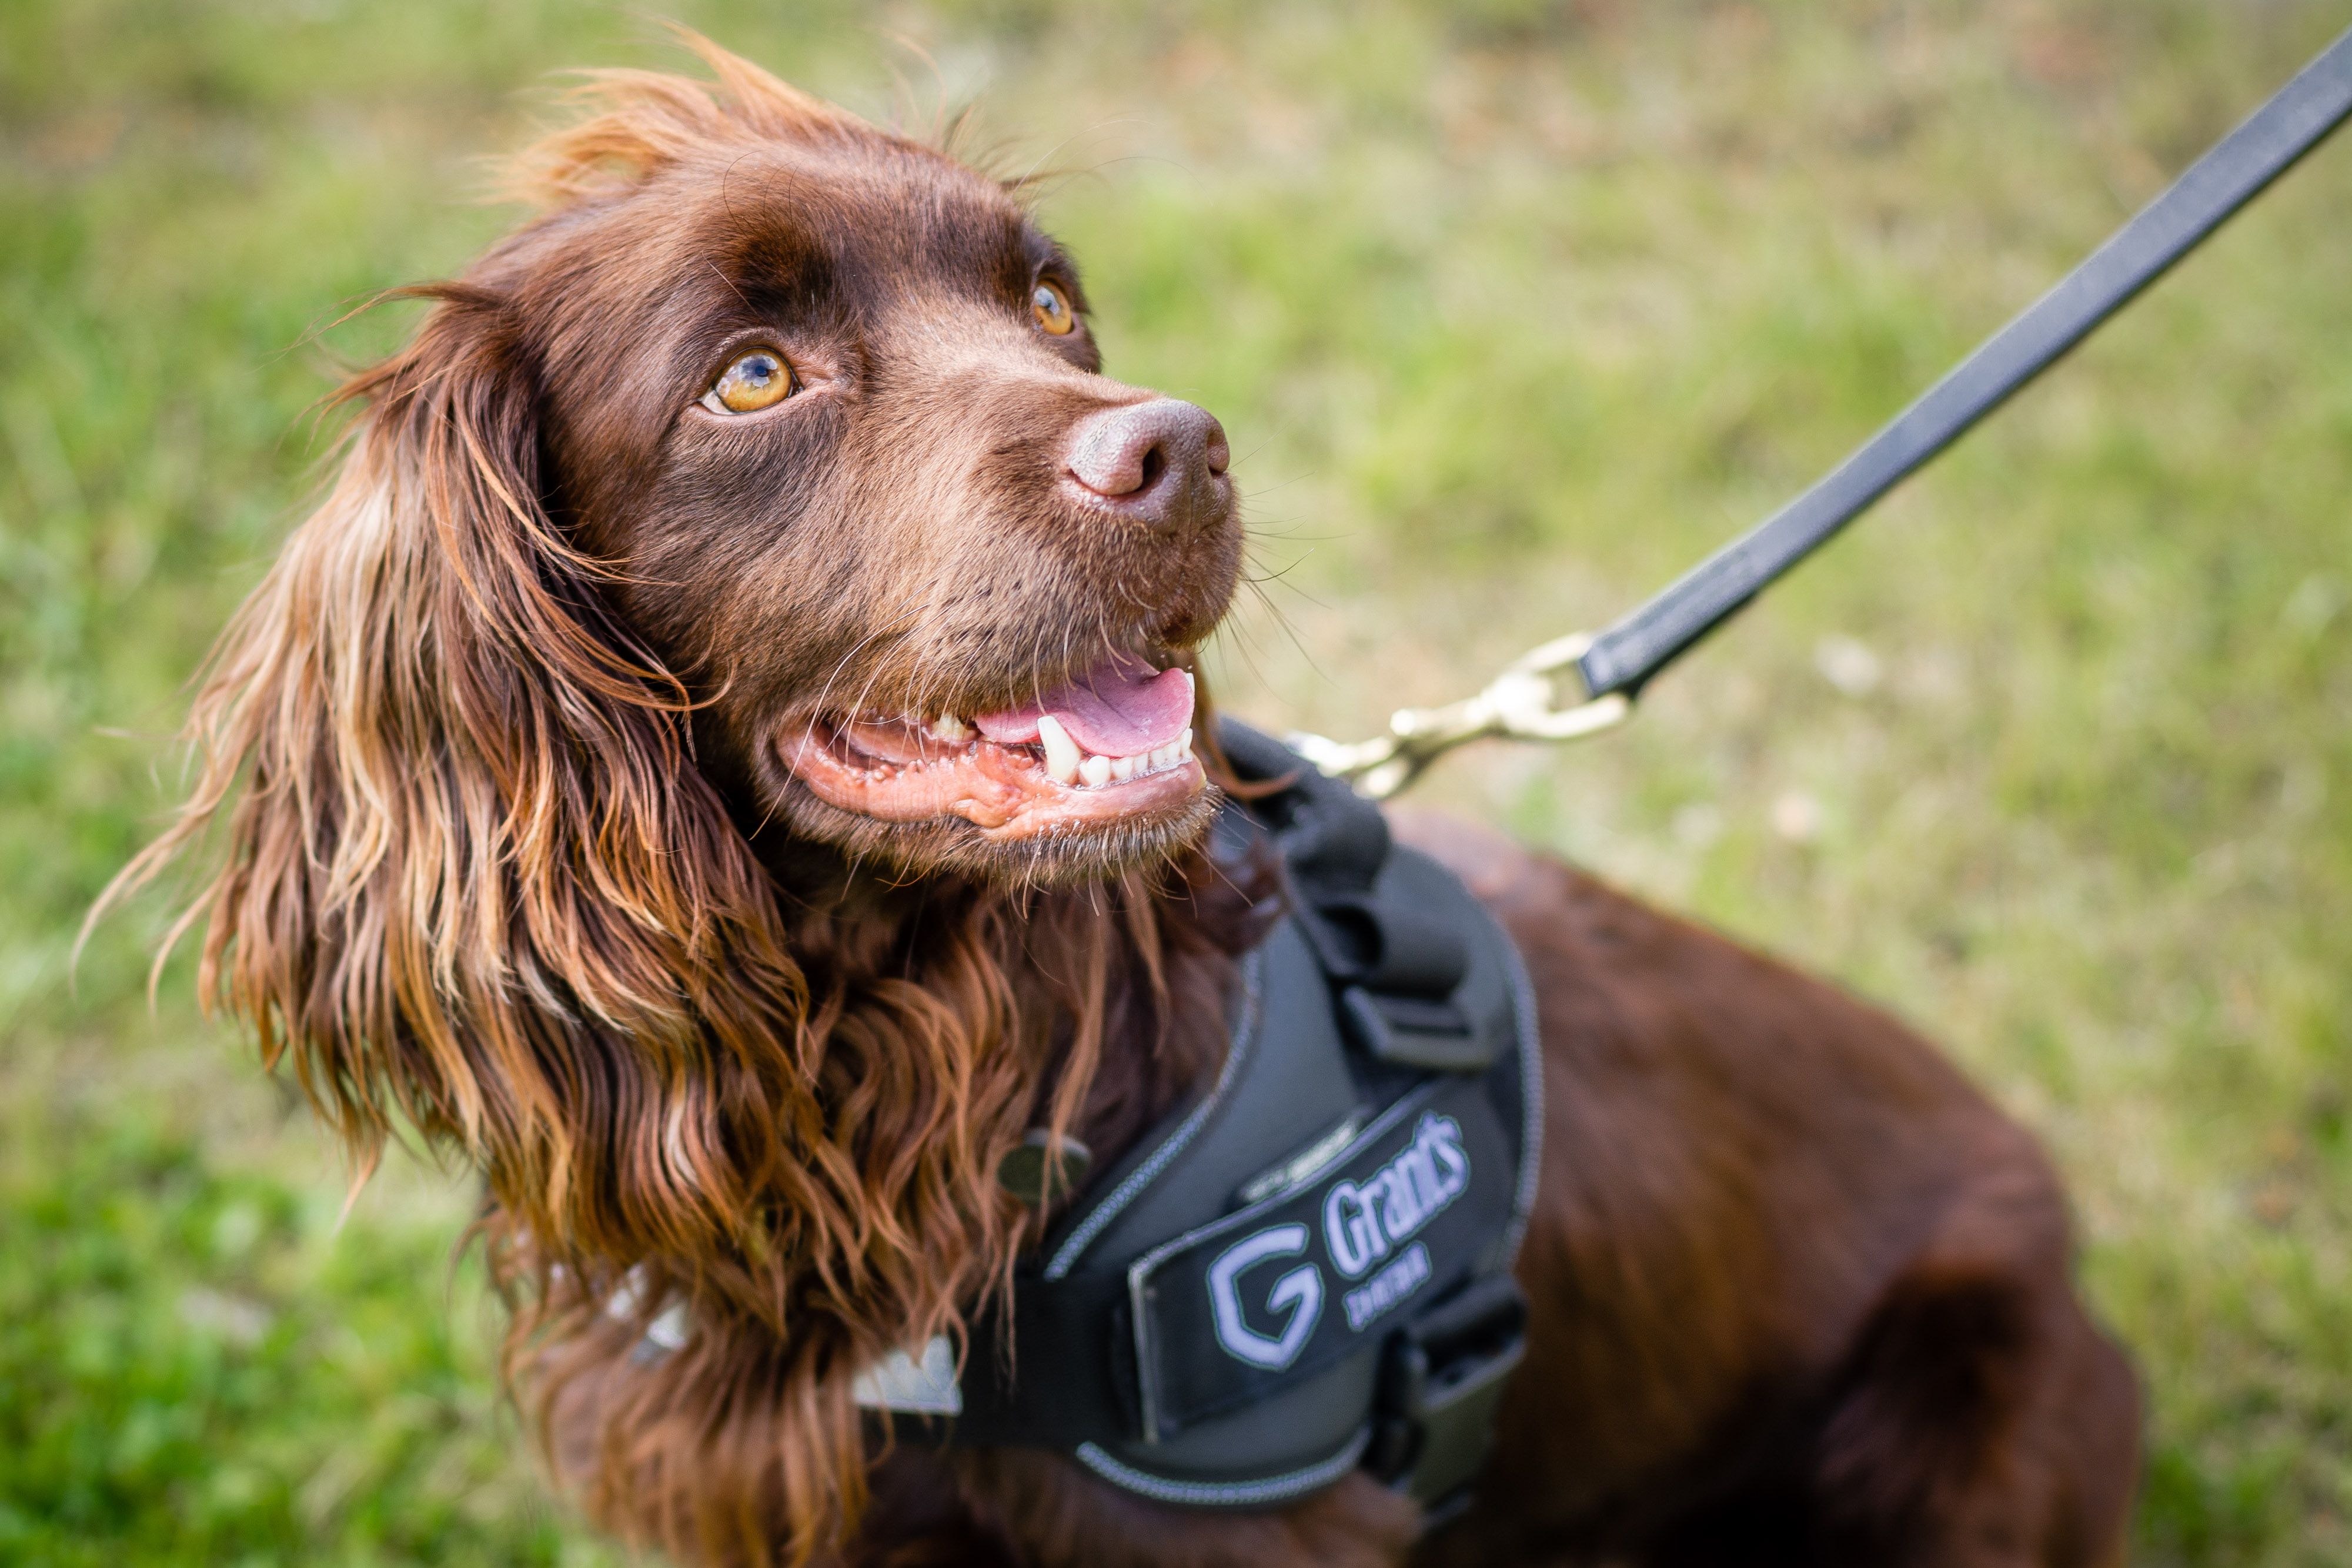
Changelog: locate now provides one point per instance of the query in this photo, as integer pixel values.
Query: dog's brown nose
(1161, 463)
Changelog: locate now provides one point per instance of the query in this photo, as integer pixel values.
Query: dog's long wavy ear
(473, 882)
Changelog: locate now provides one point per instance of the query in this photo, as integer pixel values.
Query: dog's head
(827, 403)
(822, 408)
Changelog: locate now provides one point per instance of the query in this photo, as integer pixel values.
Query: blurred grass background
(1513, 309)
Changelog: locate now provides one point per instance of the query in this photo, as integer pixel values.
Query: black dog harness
(1306, 1269)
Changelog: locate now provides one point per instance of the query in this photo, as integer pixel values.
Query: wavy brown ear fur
(475, 885)
(473, 882)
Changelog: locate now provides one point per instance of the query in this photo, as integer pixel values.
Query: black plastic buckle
(1415, 1031)
(1395, 971)
(1442, 1377)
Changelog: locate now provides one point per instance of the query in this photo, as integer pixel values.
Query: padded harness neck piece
(1306, 1269)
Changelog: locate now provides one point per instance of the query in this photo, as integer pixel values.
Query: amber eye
(1051, 306)
(755, 380)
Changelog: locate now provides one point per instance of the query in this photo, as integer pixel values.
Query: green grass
(1513, 310)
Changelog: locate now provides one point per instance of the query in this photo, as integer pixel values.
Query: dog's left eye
(754, 381)
(1051, 308)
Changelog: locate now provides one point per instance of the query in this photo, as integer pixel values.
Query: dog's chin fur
(952, 847)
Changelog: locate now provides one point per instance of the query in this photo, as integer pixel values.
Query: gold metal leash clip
(1520, 704)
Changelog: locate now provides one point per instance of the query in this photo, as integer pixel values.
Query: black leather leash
(2298, 118)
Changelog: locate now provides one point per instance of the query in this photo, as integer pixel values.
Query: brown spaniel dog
(726, 756)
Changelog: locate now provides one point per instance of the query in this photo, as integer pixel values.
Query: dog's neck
(1164, 938)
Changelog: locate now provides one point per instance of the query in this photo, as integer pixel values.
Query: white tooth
(1123, 768)
(1095, 771)
(1161, 757)
(948, 728)
(1184, 743)
(1061, 751)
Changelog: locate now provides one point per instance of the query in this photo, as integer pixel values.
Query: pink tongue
(1119, 708)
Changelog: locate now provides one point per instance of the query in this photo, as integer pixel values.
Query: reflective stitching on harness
(1532, 1119)
(1144, 1174)
(1274, 1488)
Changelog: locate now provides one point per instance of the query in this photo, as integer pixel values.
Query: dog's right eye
(755, 380)
(1050, 307)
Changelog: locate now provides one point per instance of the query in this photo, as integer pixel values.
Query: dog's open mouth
(1111, 744)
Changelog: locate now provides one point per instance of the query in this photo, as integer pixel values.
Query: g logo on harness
(1301, 1289)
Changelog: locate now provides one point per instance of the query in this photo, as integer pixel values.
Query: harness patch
(1234, 1310)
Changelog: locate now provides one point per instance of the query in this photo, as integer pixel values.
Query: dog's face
(830, 407)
